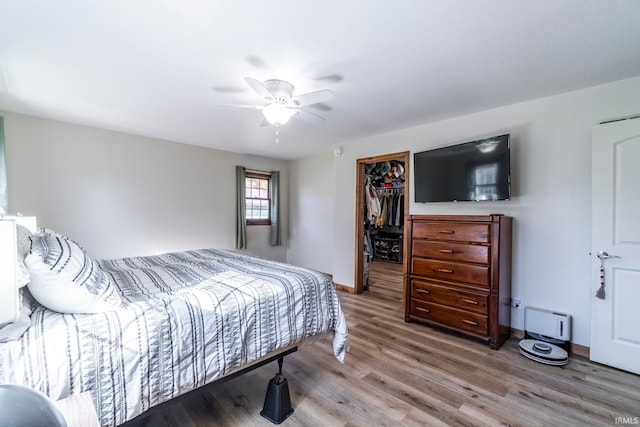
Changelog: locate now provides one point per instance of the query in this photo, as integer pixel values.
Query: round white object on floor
(544, 352)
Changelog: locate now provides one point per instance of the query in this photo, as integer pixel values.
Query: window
(485, 182)
(257, 197)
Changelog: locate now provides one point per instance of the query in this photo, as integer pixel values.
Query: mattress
(189, 318)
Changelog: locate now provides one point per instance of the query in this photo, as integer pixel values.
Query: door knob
(603, 255)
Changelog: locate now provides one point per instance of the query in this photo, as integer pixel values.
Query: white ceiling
(160, 68)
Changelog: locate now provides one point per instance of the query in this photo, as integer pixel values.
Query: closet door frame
(403, 156)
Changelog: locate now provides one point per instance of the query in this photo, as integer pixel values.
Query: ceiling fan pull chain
(277, 133)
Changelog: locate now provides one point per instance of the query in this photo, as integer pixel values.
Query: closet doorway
(381, 237)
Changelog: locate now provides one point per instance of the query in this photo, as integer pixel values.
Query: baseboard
(579, 350)
(348, 289)
(343, 288)
(517, 333)
(574, 349)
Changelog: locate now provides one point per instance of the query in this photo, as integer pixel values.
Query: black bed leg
(277, 402)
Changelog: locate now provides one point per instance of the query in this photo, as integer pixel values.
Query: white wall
(121, 195)
(551, 204)
(124, 195)
(311, 213)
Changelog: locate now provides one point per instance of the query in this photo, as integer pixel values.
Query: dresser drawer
(469, 273)
(463, 232)
(451, 317)
(451, 251)
(465, 300)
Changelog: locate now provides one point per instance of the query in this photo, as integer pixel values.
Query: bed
(168, 324)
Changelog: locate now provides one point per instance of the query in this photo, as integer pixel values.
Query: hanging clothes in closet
(384, 211)
(373, 202)
(391, 208)
(372, 213)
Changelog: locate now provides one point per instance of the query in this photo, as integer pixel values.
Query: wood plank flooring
(405, 374)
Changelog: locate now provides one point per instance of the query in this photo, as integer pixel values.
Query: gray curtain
(241, 209)
(4, 198)
(274, 232)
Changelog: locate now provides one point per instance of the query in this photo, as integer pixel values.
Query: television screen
(471, 171)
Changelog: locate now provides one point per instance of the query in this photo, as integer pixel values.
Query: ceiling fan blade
(321, 106)
(329, 78)
(309, 116)
(252, 107)
(260, 89)
(312, 97)
(228, 89)
(258, 62)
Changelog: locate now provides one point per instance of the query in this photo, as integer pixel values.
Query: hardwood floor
(401, 374)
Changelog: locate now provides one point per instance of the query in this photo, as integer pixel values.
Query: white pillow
(14, 330)
(65, 279)
(22, 275)
(23, 237)
(45, 230)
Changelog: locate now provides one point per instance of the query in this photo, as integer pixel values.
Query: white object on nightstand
(9, 301)
(9, 294)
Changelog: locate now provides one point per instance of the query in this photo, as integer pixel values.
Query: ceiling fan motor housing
(281, 90)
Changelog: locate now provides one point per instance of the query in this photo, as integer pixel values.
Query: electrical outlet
(516, 303)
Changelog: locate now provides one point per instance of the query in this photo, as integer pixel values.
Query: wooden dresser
(458, 275)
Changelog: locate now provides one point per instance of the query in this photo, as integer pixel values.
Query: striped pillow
(65, 279)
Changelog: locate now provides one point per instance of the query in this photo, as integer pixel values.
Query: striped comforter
(189, 318)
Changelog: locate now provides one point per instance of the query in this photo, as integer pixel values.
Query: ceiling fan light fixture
(277, 114)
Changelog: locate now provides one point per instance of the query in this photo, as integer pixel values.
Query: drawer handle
(445, 231)
(470, 322)
(445, 270)
(426, 310)
(423, 291)
(445, 251)
(470, 301)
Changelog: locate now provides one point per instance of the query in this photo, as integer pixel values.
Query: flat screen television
(471, 171)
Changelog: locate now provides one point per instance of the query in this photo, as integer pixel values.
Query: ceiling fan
(280, 103)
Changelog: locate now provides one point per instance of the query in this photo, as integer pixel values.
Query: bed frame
(274, 414)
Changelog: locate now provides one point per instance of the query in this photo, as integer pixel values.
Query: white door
(615, 188)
